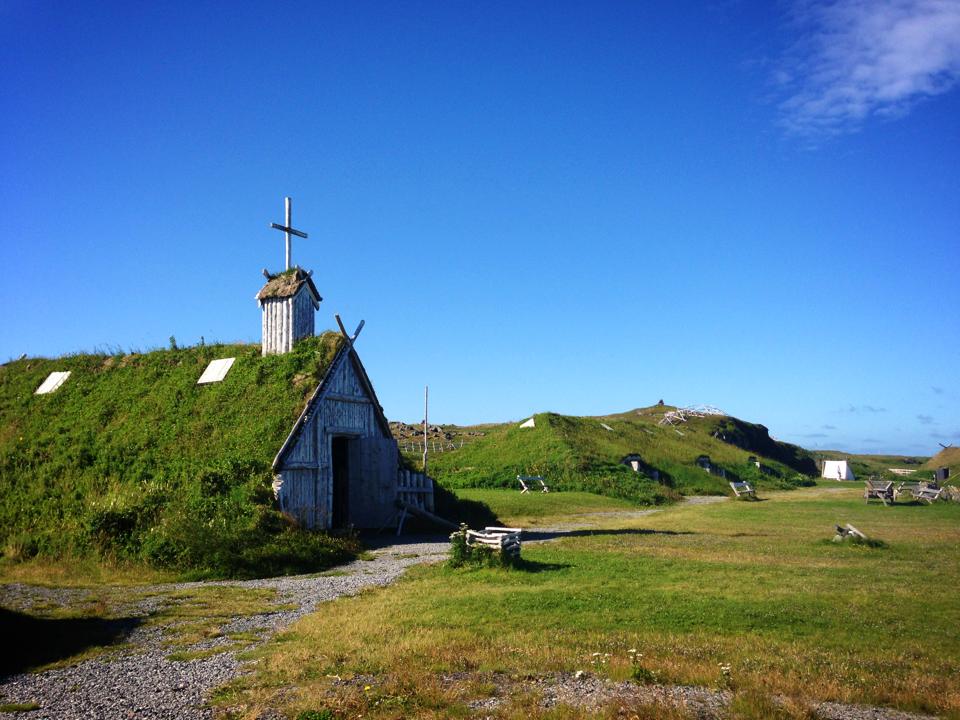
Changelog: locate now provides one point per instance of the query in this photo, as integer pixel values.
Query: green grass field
(542, 509)
(758, 586)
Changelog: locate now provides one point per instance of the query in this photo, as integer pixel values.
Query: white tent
(837, 470)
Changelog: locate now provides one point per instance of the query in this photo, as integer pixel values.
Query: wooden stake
(426, 424)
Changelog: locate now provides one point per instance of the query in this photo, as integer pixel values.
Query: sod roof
(140, 417)
(287, 284)
(948, 457)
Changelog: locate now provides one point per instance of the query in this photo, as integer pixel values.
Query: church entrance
(340, 452)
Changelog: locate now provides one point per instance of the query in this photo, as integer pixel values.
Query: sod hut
(152, 440)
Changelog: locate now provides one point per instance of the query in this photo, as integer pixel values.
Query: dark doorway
(341, 481)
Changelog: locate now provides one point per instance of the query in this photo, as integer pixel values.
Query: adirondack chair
(743, 489)
(879, 489)
(526, 481)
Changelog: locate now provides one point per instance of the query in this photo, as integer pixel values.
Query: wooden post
(288, 229)
(288, 223)
(426, 424)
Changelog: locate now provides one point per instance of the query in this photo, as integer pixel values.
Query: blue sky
(577, 207)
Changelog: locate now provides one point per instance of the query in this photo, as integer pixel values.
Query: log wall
(283, 321)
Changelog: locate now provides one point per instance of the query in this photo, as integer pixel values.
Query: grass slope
(948, 457)
(758, 586)
(538, 509)
(579, 453)
(131, 459)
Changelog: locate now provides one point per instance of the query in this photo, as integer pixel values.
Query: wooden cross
(343, 331)
(288, 228)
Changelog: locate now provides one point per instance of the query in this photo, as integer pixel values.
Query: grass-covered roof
(948, 457)
(135, 434)
(287, 284)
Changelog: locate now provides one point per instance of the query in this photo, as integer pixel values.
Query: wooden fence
(416, 489)
(434, 446)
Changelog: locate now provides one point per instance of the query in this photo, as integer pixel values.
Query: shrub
(459, 550)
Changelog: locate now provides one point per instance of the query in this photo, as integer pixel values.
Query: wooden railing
(416, 489)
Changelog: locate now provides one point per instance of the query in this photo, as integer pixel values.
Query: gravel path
(140, 681)
(590, 692)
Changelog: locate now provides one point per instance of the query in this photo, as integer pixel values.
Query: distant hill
(864, 466)
(582, 453)
(131, 459)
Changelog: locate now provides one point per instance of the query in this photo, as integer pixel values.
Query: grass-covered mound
(130, 459)
(579, 453)
(948, 457)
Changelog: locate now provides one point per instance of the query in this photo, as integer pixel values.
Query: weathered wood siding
(343, 409)
(415, 488)
(303, 314)
(286, 320)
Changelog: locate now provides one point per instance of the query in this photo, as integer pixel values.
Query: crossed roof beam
(351, 339)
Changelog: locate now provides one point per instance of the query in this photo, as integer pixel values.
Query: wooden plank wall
(303, 314)
(306, 476)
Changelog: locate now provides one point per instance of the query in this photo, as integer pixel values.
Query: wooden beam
(356, 333)
(414, 510)
(278, 226)
(339, 397)
(343, 331)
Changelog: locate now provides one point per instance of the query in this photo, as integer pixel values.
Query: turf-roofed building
(88, 431)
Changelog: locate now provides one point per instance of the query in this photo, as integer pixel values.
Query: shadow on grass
(532, 566)
(32, 642)
(529, 535)
(460, 510)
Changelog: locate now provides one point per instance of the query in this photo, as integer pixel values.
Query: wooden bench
(743, 489)
(531, 479)
(504, 539)
(907, 488)
(879, 489)
(928, 494)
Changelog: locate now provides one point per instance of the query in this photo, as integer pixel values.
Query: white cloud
(862, 58)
